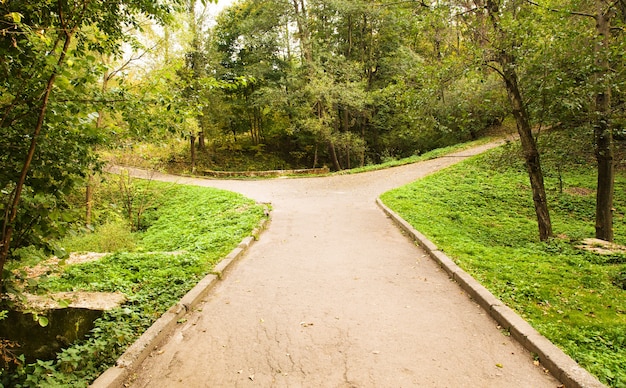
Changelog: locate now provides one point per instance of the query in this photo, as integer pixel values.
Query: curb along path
(162, 327)
(551, 357)
(334, 295)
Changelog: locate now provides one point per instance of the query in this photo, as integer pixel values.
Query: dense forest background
(274, 84)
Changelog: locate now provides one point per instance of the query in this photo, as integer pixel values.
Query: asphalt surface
(334, 295)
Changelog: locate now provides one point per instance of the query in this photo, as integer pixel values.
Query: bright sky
(212, 11)
(215, 9)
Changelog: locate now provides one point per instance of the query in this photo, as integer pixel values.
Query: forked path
(333, 295)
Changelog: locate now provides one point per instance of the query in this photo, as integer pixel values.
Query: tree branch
(575, 13)
(492, 67)
(420, 3)
(131, 60)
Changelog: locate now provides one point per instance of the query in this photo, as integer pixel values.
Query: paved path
(333, 295)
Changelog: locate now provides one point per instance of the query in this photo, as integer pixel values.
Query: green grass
(416, 158)
(480, 213)
(186, 233)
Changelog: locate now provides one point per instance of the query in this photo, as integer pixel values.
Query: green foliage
(207, 221)
(371, 84)
(48, 88)
(110, 237)
(618, 277)
(392, 162)
(480, 213)
(191, 229)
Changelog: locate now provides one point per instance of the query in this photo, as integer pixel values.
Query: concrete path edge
(562, 366)
(163, 326)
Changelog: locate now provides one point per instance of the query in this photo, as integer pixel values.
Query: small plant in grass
(618, 277)
(480, 213)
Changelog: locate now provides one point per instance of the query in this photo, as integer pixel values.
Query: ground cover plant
(436, 153)
(480, 213)
(183, 234)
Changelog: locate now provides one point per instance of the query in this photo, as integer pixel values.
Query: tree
(492, 27)
(345, 83)
(603, 132)
(45, 67)
(604, 63)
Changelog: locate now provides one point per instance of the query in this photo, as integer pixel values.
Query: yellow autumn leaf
(15, 16)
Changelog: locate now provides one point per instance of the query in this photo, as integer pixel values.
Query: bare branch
(421, 3)
(575, 13)
(492, 67)
(131, 60)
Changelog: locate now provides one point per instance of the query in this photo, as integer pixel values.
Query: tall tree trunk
(192, 144)
(201, 141)
(89, 187)
(346, 118)
(89, 199)
(333, 155)
(11, 213)
(529, 147)
(603, 135)
(303, 30)
(506, 60)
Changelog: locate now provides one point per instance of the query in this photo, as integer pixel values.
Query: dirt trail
(333, 295)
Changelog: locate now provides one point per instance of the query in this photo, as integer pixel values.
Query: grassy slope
(481, 215)
(191, 230)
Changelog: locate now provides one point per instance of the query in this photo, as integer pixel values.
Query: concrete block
(562, 366)
(246, 242)
(518, 327)
(140, 349)
(223, 266)
(476, 291)
(199, 292)
(112, 377)
(425, 243)
(445, 262)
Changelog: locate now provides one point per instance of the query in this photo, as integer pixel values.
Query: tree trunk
(529, 147)
(11, 213)
(192, 141)
(201, 143)
(603, 135)
(333, 155)
(89, 199)
(303, 30)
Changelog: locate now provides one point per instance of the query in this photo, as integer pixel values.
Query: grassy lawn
(185, 231)
(480, 213)
(416, 158)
